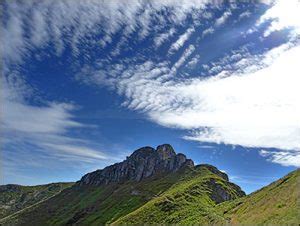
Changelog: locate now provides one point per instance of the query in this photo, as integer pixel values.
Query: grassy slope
(188, 201)
(99, 205)
(95, 205)
(184, 197)
(16, 197)
(277, 203)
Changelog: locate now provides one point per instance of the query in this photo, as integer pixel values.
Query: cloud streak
(70, 23)
(181, 40)
(44, 127)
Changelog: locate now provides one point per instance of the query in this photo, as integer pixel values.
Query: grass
(277, 203)
(189, 196)
(187, 202)
(14, 198)
(95, 205)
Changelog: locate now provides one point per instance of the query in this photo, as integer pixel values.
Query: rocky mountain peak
(165, 151)
(142, 163)
(142, 153)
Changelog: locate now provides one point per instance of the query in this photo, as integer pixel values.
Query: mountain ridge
(158, 186)
(142, 163)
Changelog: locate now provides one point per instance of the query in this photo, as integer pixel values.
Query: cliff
(142, 163)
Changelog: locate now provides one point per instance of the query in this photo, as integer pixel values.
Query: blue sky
(85, 83)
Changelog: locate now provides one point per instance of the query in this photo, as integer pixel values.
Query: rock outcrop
(142, 163)
(220, 194)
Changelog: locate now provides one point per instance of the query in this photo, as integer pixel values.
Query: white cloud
(267, 2)
(244, 109)
(208, 31)
(194, 61)
(256, 107)
(76, 22)
(44, 127)
(253, 103)
(160, 39)
(283, 15)
(79, 151)
(286, 158)
(181, 40)
(24, 118)
(221, 20)
(244, 14)
(187, 52)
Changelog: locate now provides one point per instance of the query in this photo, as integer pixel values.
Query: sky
(84, 83)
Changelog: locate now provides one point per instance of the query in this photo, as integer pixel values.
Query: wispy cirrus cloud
(161, 38)
(221, 20)
(286, 158)
(208, 31)
(44, 140)
(181, 40)
(52, 23)
(238, 102)
(39, 134)
(186, 54)
(251, 100)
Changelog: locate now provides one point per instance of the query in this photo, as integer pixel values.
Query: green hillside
(16, 197)
(277, 203)
(191, 200)
(192, 195)
(94, 205)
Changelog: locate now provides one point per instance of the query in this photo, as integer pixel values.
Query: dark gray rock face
(142, 163)
(220, 194)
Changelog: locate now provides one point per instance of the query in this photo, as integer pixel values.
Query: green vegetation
(86, 205)
(191, 200)
(193, 188)
(193, 195)
(277, 203)
(16, 197)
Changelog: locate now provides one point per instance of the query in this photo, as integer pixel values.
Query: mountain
(160, 186)
(194, 196)
(16, 197)
(275, 204)
(143, 163)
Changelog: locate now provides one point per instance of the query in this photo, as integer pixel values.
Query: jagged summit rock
(165, 151)
(142, 163)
